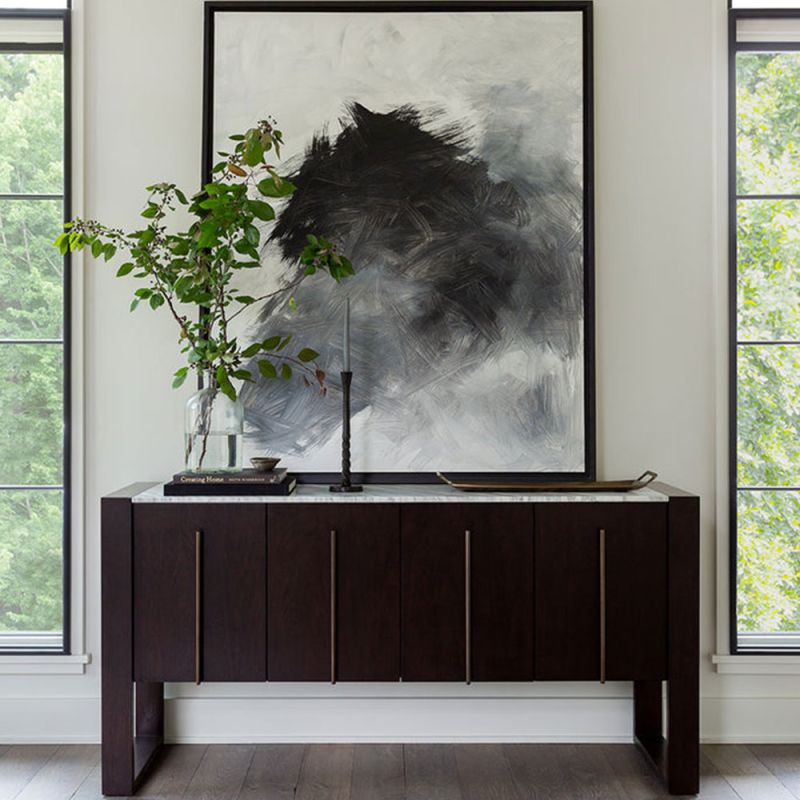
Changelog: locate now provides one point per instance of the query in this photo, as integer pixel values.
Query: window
(765, 330)
(34, 331)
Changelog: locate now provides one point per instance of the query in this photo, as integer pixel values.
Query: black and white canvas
(445, 151)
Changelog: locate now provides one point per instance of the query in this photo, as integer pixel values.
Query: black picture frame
(582, 7)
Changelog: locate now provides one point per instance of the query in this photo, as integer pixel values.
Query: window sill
(757, 665)
(44, 664)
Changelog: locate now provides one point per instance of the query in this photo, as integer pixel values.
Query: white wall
(660, 285)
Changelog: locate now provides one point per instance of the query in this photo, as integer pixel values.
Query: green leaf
(307, 354)
(246, 249)
(151, 212)
(156, 301)
(251, 351)
(271, 343)
(245, 299)
(180, 247)
(225, 385)
(183, 285)
(264, 211)
(134, 305)
(269, 188)
(146, 236)
(253, 151)
(144, 293)
(243, 375)
(109, 251)
(284, 342)
(312, 240)
(253, 235)
(208, 236)
(267, 369)
(181, 197)
(97, 248)
(293, 304)
(125, 269)
(180, 377)
(62, 243)
(286, 372)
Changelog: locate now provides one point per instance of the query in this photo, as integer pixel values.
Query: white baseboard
(750, 720)
(391, 720)
(49, 720)
(55, 720)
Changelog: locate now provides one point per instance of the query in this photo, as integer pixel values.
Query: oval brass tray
(566, 486)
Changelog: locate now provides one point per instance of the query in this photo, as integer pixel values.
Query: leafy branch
(197, 266)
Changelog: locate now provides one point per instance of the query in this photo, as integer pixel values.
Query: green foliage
(768, 123)
(30, 560)
(197, 267)
(768, 298)
(31, 376)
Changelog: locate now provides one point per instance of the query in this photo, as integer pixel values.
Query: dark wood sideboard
(366, 590)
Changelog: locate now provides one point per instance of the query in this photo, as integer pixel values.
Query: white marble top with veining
(408, 493)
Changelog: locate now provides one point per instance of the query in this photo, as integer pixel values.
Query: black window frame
(734, 48)
(65, 47)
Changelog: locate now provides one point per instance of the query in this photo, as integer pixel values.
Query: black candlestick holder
(346, 486)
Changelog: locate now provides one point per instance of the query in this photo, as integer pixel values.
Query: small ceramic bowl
(264, 464)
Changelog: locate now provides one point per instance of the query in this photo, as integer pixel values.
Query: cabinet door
(352, 632)
(501, 567)
(234, 597)
(226, 546)
(601, 608)
(467, 589)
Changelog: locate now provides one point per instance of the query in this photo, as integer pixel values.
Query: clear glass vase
(214, 427)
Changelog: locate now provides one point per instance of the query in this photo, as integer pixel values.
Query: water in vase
(214, 452)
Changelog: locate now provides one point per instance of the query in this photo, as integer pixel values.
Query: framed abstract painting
(446, 148)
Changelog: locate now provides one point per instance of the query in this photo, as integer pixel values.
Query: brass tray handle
(645, 479)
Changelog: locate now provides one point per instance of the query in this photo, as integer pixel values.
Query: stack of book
(246, 482)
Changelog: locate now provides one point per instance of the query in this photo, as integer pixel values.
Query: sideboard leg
(132, 714)
(149, 726)
(683, 748)
(150, 709)
(647, 710)
(117, 648)
(683, 669)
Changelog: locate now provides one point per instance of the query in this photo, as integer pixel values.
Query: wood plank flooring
(401, 772)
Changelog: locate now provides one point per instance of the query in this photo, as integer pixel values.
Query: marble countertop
(408, 493)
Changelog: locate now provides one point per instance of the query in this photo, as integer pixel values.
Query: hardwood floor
(401, 772)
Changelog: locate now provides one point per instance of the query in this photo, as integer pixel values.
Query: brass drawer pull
(468, 606)
(602, 605)
(198, 578)
(333, 606)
